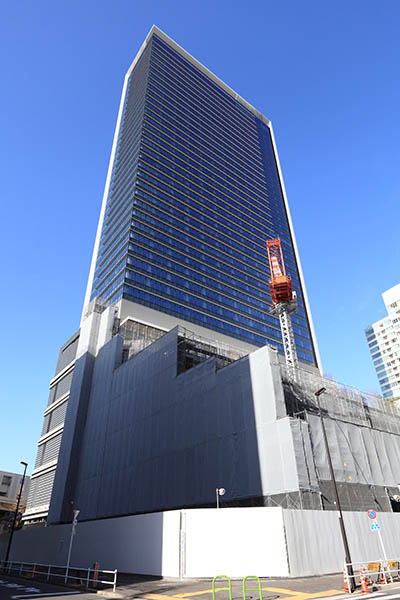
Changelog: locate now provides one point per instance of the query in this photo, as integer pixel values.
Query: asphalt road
(13, 588)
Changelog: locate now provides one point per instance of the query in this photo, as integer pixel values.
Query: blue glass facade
(195, 192)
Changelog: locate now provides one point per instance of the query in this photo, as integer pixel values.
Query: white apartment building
(383, 339)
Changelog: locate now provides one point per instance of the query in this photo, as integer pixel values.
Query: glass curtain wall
(195, 193)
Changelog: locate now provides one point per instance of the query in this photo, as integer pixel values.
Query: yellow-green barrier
(229, 588)
(246, 589)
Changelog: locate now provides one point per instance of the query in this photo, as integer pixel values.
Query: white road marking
(348, 595)
(380, 595)
(18, 586)
(43, 595)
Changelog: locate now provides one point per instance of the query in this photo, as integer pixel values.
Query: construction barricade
(367, 574)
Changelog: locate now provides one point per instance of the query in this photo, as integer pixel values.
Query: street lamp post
(219, 492)
(73, 531)
(337, 500)
(16, 511)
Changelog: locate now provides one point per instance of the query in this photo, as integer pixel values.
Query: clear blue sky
(325, 73)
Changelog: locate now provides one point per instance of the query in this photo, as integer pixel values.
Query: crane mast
(284, 301)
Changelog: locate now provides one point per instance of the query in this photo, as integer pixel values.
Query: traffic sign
(375, 526)
(372, 514)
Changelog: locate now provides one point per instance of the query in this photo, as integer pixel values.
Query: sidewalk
(153, 588)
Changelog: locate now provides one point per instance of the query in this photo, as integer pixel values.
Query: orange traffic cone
(346, 581)
(382, 574)
(364, 582)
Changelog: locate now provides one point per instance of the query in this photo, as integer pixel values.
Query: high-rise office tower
(193, 192)
(383, 339)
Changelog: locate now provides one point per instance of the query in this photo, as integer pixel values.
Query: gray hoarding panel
(163, 439)
(315, 545)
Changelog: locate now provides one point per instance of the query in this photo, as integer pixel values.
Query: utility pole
(349, 566)
(16, 511)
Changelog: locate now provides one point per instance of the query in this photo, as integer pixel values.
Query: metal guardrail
(82, 575)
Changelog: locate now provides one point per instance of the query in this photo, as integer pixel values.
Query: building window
(5, 485)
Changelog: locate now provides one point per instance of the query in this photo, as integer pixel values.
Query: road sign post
(383, 547)
(376, 527)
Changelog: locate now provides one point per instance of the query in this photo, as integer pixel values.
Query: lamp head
(320, 391)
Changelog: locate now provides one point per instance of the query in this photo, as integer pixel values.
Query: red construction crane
(280, 284)
(284, 300)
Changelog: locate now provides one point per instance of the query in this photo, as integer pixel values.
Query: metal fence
(87, 577)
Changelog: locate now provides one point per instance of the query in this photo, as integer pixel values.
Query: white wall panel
(235, 542)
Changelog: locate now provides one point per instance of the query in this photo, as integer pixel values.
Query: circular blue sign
(372, 514)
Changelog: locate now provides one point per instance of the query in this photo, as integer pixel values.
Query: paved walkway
(153, 588)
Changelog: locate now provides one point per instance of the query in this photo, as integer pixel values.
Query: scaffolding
(98, 305)
(137, 337)
(340, 401)
(194, 350)
(363, 430)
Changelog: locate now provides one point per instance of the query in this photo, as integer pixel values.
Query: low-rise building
(10, 485)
